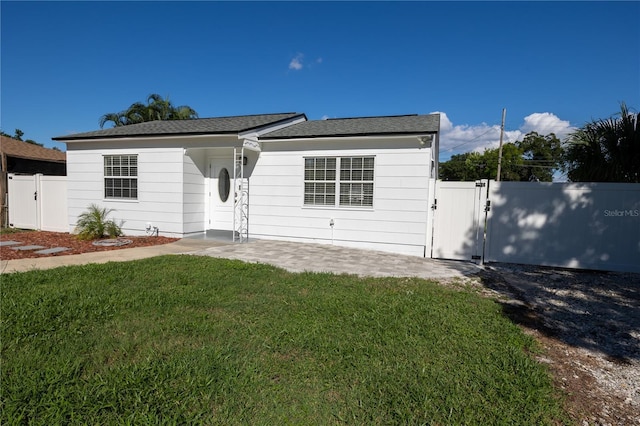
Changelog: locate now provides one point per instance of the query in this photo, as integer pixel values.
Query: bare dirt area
(58, 239)
(588, 325)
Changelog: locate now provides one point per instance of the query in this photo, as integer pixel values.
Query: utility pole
(504, 115)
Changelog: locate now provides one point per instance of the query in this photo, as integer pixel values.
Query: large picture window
(121, 176)
(352, 187)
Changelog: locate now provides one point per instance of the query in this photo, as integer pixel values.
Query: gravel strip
(589, 325)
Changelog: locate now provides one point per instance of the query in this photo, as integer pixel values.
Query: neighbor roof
(200, 126)
(360, 126)
(15, 148)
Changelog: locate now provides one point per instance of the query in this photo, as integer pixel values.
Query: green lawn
(197, 340)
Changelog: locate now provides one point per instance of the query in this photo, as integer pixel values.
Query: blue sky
(553, 65)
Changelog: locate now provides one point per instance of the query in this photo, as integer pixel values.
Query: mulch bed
(60, 239)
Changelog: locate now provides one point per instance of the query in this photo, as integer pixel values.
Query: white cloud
(465, 137)
(460, 138)
(325, 117)
(545, 123)
(296, 62)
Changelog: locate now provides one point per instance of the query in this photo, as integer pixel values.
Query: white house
(362, 182)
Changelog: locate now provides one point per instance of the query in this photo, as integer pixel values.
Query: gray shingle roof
(363, 126)
(200, 126)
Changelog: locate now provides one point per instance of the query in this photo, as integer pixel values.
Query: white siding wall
(173, 190)
(194, 192)
(160, 187)
(396, 223)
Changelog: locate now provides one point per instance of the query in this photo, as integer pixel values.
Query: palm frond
(93, 224)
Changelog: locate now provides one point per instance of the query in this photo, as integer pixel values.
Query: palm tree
(156, 108)
(606, 150)
(183, 112)
(93, 224)
(117, 118)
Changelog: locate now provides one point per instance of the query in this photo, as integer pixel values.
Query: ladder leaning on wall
(241, 200)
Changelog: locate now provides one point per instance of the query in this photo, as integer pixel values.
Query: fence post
(4, 184)
(38, 196)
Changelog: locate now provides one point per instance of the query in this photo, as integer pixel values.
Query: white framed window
(356, 181)
(352, 187)
(121, 176)
(320, 181)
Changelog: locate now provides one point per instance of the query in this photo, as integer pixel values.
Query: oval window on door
(224, 184)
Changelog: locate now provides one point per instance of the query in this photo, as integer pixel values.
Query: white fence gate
(459, 218)
(38, 202)
(571, 225)
(23, 195)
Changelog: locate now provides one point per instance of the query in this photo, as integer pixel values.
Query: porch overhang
(252, 145)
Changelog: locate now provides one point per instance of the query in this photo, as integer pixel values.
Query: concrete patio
(295, 257)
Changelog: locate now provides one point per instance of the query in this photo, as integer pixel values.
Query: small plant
(93, 224)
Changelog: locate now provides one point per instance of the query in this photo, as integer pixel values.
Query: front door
(221, 193)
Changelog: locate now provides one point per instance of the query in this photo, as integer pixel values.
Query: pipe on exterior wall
(332, 222)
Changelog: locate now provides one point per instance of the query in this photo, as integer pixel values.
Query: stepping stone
(21, 248)
(52, 250)
(8, 243)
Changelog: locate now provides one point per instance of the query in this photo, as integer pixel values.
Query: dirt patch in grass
(60, 239)
(588, 324)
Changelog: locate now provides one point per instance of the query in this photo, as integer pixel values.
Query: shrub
(93, 224)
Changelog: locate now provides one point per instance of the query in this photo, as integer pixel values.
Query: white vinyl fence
(571, 225)
(38, 202)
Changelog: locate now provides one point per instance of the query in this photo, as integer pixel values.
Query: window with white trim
(121, 176)
(356, 181)
(352, 187)
(320, 181)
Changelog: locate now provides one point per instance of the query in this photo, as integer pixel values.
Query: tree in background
(512, 162)
(463, 167)
(18, 134)
(542, 157)
(156, 108)
(605, 150)
(535, 158)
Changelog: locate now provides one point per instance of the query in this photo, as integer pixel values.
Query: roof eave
(26, 157)
(138, 136)
(349, 135)
(176, 134)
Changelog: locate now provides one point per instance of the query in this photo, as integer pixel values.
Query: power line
(534, 165)
(469, 141)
